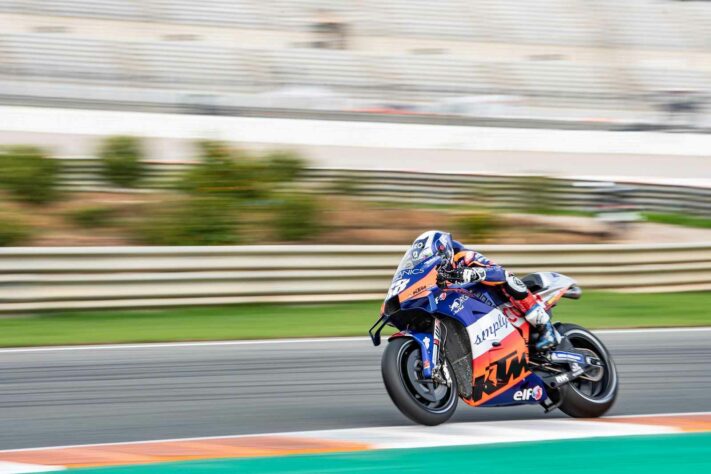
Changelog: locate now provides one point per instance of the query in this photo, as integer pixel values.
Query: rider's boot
(547, 338)
(535, 313)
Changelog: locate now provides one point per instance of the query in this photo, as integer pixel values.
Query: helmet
(431, 243)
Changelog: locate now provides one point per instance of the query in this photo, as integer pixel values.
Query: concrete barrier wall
(36, 279)
(288, 132)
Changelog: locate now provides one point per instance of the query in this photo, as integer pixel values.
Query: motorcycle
(465, 341)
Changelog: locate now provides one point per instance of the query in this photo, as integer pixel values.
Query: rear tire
(427, 404)
(583, 398)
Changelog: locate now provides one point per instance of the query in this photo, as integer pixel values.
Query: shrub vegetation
(122, 161)
(14, 230)
(477, 226)
(196, 220)
(296, 217)
(29, 174)
(227, 186)
(90, 217)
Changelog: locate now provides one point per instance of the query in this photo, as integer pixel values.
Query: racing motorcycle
(465, 340)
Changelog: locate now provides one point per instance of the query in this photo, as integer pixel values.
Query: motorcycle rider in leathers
(469, 266)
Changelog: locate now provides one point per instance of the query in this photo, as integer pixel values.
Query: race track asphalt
(94, 395)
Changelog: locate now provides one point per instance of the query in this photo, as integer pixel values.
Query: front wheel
(591, 395)
(427, 403)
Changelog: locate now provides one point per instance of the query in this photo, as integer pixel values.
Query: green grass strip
(690, 453)
(594, 310)
(678, 219)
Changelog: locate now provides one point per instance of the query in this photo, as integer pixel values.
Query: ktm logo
(498, 374)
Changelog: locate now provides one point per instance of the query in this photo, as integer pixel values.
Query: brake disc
(430, 391)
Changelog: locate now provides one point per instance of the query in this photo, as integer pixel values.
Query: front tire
(583, 398)
(425, 403)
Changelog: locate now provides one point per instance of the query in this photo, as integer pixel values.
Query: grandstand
(599, 59)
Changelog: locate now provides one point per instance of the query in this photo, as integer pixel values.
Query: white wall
(337, 133)
(638, 155)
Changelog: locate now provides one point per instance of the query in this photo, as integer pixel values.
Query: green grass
(594, 310)
(678, 219)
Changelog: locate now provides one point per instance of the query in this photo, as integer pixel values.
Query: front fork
(431, 344)
(436, 342)
(440, 374)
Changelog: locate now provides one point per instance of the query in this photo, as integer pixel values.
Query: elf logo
(535, 393)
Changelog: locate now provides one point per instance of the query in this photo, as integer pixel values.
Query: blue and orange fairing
(498, 338)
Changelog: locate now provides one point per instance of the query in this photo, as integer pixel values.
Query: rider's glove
(465, 275)
(473, 275)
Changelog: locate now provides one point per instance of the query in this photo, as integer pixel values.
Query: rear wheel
(592, 394)
(428, 403)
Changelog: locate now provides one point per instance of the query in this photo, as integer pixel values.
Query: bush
(226, 180)
(284, 166)
(28, 174)
(13, 229)
(90, 217)
(296, 217)
(475, 227)
(121, 159)
(346, 185)
(192, 221)
(228, 173)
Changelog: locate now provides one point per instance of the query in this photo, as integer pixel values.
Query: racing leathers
(475, 267)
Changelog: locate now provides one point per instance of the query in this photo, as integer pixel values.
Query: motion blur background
(280, 101)
(189, 170)
(339, 122)
(181, 123)
(639, 64)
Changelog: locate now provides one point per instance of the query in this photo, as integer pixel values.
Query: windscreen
(413, 257)
(414, 274)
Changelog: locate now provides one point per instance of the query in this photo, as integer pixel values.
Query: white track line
(423, 430)
(167, 345)
(17, 468)
(163, 345)
(512, 431)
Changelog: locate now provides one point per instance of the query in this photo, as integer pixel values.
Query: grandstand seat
(63, 58)
(448, 65)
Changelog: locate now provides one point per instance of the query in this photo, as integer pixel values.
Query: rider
(469, 266)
